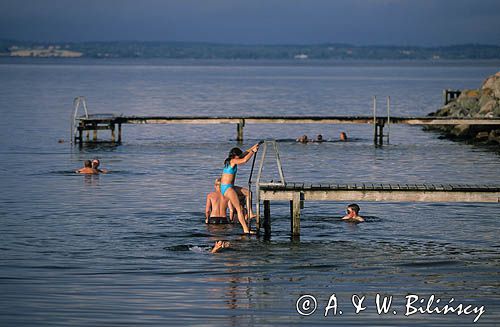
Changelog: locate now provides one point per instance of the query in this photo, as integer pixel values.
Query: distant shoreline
(208, 51)
(248, 62)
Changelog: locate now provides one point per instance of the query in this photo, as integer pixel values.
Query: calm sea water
(130, 247)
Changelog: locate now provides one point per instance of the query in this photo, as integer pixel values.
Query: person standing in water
(216, 206)
(236, 157)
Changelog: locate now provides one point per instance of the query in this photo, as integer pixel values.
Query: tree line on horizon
(186, 50)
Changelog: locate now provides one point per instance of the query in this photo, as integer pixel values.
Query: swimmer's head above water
(352, 207)
(352, 213)
(95, 163)
(303, 139)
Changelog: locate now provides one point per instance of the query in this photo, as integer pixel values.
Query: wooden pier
(92, 123)
(297, 193)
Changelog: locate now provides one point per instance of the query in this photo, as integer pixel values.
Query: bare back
(218, 204)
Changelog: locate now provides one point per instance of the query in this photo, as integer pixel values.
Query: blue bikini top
(230, 170)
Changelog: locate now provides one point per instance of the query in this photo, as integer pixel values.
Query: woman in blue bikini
(236, 157)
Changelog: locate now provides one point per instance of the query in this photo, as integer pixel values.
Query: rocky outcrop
(483, 102)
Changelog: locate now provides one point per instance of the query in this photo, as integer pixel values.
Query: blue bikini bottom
(225, 187)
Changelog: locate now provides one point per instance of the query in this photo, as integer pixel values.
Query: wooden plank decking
(297, 193)
(382, 192)
(108, 122)
(99, 119)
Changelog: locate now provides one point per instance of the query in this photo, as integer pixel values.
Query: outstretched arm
(246, 155)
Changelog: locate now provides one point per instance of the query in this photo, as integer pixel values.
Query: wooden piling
(267, 217)
(295, 209)
(239, 130)
(375, 132)
(381, 133)
(113, 133)
(119, 133)
(80, 135)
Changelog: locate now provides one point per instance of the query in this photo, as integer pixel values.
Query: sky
(358, 22)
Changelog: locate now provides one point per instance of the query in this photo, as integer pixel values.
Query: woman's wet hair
(235, 152)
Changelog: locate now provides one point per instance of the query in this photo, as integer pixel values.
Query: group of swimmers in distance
(319, 138)
(91, 167)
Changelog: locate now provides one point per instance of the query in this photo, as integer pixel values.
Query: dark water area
(131, 248)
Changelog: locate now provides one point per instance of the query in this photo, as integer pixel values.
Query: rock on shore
(483, 102)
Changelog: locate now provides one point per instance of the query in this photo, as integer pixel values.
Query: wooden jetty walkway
(87, 123)
(297, 193)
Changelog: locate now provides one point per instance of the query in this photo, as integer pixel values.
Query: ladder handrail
(74, 122)
(259, 175)
(278, 162)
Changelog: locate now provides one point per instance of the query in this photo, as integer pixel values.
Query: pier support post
(295, 213)
(94, 133)
(378, 137)
(80, 135)
(381, 134)
(239, 130)
(119, 133)
(267, 217)
(112, 127)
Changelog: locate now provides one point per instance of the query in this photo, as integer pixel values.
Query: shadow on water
(92, 147)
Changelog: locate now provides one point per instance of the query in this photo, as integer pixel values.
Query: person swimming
(228, 189)
(219, 245)
(95, 165)
(352, 211)
(87, 168)
(303, 139)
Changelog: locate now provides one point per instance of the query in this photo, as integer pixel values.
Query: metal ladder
(378, 123)
(258, 183)
(79, 100)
